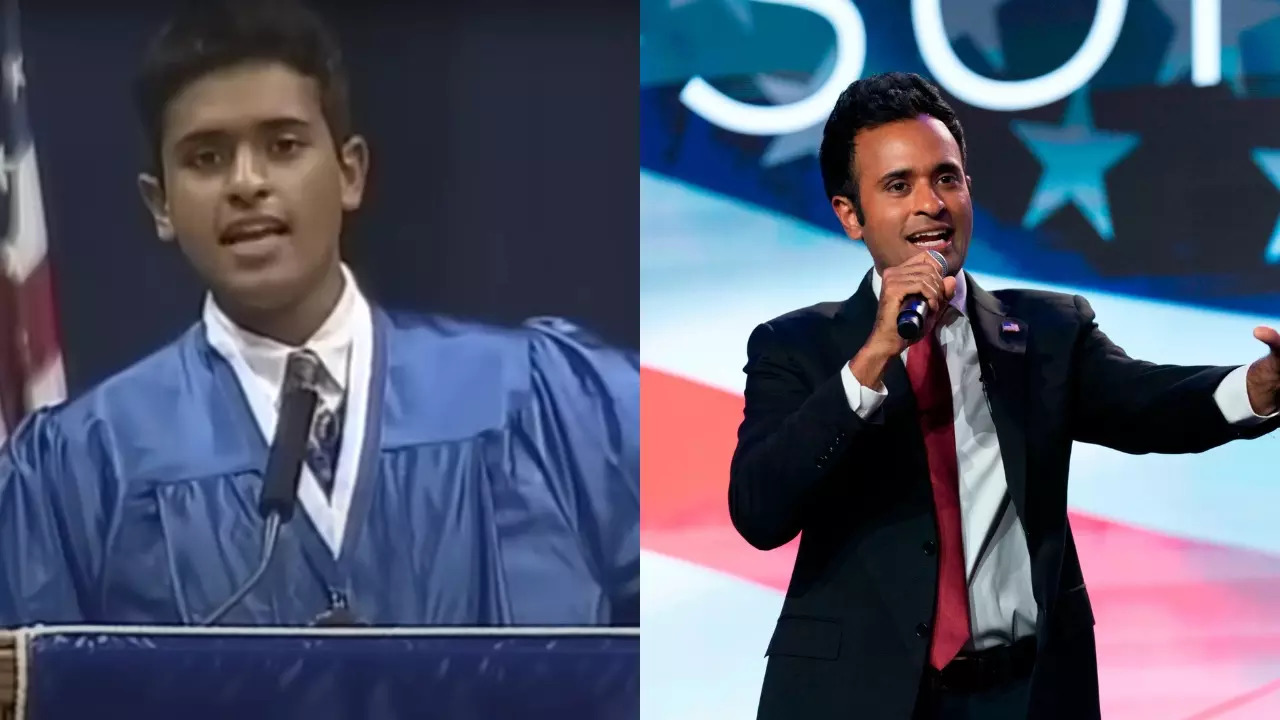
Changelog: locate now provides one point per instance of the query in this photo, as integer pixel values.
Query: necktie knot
(305, 368)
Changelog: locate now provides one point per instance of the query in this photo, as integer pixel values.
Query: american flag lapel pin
(1010, 326)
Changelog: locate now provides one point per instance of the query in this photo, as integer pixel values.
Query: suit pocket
(1073, 611)
(808, 637)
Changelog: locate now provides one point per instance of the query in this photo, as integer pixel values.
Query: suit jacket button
(922, 630)
(930, 547)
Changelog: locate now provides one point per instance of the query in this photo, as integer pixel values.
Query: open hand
(1264, 374)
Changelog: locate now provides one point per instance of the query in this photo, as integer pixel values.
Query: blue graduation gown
(500, 487)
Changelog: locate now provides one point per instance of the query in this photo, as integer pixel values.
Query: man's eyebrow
(946, 166)
(895, 174)
(284, 122)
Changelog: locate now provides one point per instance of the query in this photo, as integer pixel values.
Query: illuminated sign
(947, 69)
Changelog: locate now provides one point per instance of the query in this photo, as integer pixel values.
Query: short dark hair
(867, 104)
(209, 35)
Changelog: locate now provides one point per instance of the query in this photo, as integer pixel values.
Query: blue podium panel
(185, 674)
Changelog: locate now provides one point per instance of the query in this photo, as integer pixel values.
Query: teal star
(682, 38)
(980, 20)
(782, 90)
(1269, 161)
(1074, 157)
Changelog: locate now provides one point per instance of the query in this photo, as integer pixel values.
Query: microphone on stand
(284, 466)
(915, 311)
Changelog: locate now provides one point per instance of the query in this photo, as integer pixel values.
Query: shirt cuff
(1232, 397)
(863, 401)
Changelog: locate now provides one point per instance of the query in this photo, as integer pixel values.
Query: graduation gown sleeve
(52, 522)
(584, 425)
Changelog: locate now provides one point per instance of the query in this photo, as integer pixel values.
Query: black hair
(210, 35)
(867, 104)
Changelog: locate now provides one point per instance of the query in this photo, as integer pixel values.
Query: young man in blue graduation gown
(458, 474)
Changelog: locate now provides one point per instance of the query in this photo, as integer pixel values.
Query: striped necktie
(326, 427)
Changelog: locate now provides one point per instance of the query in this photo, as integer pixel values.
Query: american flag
(31, 372)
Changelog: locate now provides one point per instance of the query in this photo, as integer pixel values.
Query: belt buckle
(981, 665)
(975, 673)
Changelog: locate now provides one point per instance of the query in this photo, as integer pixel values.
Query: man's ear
(152, 191)
(847, 214)
(353, 158)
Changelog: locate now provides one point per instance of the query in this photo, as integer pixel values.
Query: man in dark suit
(937, 576)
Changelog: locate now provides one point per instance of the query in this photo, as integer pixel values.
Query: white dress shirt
(1001, 605)
(343, 343)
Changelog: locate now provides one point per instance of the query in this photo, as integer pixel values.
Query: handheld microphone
(284, 465)
(915, 311)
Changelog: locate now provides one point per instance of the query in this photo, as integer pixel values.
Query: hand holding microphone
(913, 314)
(912, 296)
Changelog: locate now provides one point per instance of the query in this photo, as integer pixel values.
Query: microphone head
(301, 371)
(288, 448)
(941, 261)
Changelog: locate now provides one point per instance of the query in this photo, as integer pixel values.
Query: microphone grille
(941, 261)
(302, 370)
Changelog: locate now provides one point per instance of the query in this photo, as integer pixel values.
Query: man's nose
(248, 179)
(928, 202)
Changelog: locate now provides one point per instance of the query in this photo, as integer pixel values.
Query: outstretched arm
(1140, 407)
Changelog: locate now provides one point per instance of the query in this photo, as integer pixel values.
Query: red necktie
(927, 369)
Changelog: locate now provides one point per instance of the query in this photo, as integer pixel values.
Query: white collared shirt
(1002, 607)
(343, 343)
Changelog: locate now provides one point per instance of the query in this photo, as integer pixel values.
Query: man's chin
(263, 291)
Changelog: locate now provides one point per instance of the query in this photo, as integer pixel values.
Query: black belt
(985, 669)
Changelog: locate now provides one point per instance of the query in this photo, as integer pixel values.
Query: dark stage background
(502, 185)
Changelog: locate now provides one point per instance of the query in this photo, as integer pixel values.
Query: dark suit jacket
(853, 635)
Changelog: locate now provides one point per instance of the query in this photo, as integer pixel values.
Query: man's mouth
(247, 231)
(932, 239)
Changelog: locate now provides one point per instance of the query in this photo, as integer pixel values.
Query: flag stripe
(28, 245)
(37, 317)
(47, 385)
(12, 375)
(689, 432)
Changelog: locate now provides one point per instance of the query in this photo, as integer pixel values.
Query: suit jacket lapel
(1002, 345)
(854, 322)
